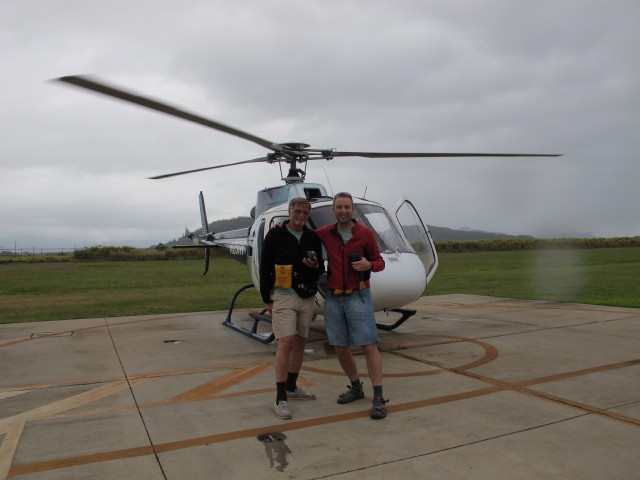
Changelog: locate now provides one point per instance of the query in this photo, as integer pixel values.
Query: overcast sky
(409, 75)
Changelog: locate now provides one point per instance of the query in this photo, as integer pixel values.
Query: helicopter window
(312, 192)
(417, 234)
(377, 219)
(321, 216)
(373, 216)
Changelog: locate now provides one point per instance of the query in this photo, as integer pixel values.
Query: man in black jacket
(290, 265)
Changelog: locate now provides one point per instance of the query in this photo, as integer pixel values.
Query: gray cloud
(493, 76)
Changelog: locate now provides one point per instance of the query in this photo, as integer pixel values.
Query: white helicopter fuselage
(405, 244)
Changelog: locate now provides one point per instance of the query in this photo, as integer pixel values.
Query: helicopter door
(258, 239)
(418, 235)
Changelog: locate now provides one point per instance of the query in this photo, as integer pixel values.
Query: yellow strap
(338, 291)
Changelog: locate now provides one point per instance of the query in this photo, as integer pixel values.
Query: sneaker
(282, 409)
(351, 395)
(379, 408)
(300, 394)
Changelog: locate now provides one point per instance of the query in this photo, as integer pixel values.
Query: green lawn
(601, 276)
(67, 290)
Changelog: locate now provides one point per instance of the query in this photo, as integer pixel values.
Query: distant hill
(230, 224)
(439, 234)
(444, 234)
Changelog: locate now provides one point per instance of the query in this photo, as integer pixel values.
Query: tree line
(162, 252)
(495, 245)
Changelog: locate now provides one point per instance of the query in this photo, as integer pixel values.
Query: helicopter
(404, 240)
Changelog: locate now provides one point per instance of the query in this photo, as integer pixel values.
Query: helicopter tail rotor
(203, 216)
(205, 232)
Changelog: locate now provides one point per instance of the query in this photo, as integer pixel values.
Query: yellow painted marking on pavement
(11, 393)
(208, 389)
(521, 387)
(227, 436)
(80, 460)
(8, 448)
(114, 378)
(490, 354)
(497, 386)
(577, 373)
(105, 325)
(64, 405)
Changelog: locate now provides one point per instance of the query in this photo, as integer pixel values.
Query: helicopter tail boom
(236, 242)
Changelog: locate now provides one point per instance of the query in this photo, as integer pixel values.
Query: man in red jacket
(352, 253)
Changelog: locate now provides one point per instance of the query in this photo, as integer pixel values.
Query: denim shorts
(349, 319)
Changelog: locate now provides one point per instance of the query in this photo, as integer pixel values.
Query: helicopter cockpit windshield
(373, 216)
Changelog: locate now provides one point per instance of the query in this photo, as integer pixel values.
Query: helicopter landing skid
(260, 317)
(405, 315)
(257, 318)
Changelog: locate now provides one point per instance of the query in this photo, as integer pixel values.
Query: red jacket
(340, 273)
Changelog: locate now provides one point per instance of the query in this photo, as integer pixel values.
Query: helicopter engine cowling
(401, 282)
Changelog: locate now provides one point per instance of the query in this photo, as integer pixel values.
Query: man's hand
(311, 262)
(362, 265)
(269, 307)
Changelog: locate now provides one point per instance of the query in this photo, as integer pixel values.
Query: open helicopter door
(418, 235)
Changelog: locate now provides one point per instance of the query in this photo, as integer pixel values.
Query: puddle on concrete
(276, 449)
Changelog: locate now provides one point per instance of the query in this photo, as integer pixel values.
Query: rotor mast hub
(294, 153)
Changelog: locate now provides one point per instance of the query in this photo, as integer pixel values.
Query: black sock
(356, 384)
(281, 389)
(377, 391)
(292, 378)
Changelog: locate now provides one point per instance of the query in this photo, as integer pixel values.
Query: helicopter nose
(402, 281)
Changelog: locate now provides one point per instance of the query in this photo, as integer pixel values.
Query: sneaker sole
(284, 416)
(378, 416)
(349, 400)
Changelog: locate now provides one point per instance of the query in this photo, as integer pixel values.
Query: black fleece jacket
(280, 247)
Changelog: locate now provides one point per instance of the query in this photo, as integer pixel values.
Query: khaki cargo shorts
(291, 315)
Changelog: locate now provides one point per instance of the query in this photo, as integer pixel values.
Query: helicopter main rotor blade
(167, 175)
(96, 86)
(403, 154)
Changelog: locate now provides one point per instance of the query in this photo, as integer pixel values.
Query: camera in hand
(310, 254)
(355, 257)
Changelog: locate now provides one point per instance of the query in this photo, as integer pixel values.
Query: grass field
(67, 290)
(599, 276)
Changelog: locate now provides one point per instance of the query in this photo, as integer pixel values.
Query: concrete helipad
(479, 387)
